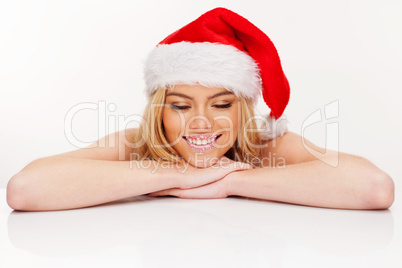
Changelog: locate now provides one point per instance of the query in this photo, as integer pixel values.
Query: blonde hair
(156, 147)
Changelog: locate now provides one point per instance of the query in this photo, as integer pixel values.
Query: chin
(202, 160)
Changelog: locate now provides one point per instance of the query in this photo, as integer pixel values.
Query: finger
(227, 162)
(160, 193)
(242, 166)
(203, 192)
(222, 162)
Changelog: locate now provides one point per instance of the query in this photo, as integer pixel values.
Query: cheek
(236, 116)
(231, 121)
(173, 125)
(236, 119)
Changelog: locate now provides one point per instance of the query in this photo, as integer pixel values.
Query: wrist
(160, 175)
(171, 174)
(233, 182)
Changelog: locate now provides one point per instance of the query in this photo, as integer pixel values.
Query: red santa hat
(220, 49)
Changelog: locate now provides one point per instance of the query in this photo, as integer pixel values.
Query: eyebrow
(209, 97)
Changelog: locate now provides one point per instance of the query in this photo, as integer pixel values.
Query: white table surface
(173, 232)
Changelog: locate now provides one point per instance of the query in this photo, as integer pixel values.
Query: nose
(199, 122)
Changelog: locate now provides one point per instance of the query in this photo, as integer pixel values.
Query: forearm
(354, 184)
(55, 183)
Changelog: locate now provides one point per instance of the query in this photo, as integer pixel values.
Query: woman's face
(201, 123)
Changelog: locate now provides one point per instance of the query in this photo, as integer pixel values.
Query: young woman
(200, 137)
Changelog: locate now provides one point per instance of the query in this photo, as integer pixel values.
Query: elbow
(16, 189)
(380, 192)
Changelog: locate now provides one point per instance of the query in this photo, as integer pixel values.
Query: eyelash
(224, 106)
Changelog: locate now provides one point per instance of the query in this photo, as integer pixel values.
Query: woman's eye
(185, 107)
(179, 107)
(223, 106)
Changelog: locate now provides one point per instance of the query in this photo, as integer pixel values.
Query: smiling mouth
(202, 142)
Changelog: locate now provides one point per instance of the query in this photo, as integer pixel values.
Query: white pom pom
(274, 128)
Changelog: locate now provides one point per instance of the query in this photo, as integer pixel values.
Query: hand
(192, 177)
(214, 189)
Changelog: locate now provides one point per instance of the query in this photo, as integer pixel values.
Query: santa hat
(221, 49)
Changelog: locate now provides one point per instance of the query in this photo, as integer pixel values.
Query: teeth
(202, 141)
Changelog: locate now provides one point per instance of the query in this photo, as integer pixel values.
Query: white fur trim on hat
(207, 64)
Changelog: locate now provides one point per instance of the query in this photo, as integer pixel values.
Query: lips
(202, 142)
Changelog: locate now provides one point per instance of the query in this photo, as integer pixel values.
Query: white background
(55, 55)
(58, 54)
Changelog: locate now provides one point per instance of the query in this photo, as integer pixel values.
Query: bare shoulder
(113, 147)
(295, 149)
